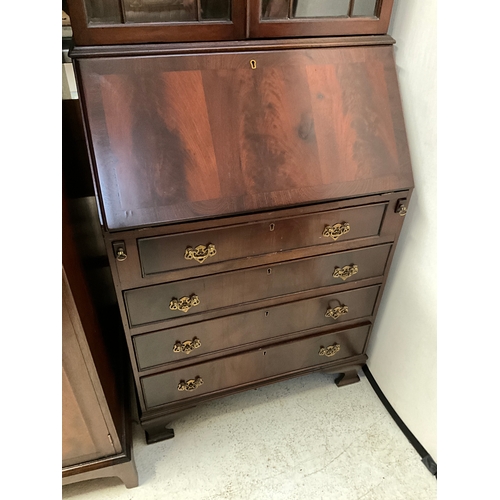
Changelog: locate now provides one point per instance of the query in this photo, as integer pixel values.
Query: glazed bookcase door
(108, 22)
(285, 18)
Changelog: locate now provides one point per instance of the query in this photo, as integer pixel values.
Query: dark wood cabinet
(251, 190)
(95, 437)
(96, 419)
(95, 441)
(108, 22)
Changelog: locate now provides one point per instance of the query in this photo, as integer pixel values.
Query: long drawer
(196, 339)
(254, 366)
(161, 302)
(171, 252)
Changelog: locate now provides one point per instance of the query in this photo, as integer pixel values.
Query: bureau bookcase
(252, 174)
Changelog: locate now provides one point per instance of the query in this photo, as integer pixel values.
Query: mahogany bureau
(252, 181)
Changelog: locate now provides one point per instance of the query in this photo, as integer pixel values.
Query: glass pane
(160, 11)
(320, 8)
(215, 9)
(103, 11)
(364, 8)
(274, 9)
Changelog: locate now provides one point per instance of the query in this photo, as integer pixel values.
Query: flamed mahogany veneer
(180, 138)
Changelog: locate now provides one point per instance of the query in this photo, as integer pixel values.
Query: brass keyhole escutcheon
(253, 64)
(271, 226)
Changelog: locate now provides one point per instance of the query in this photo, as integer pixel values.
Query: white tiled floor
(300, 439)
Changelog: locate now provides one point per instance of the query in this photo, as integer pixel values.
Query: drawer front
(167, 253)
(193, 340)
(258, 365)
(165, 301)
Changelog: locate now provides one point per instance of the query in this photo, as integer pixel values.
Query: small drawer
(201, 248)
(194, 340)
(161, 302)
(254, 366)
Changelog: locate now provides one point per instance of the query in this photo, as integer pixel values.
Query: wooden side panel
(191, 137)
(84, 431)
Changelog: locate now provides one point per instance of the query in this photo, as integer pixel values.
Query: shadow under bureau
(251, 197)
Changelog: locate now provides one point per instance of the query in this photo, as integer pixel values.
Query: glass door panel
(321, 8)
(286, 9)
(320, 18)
(103, 11)
(140, 21)
(175, 11)
(160, 11)
(365, 8)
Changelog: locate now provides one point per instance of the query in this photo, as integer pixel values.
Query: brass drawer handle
(336, 231)
(187, 346)
(345, 272)
(401, 210)
(121, 255)
(190, 385)
(184, 303)
(336, 312)
(331, 350)
(200, 253)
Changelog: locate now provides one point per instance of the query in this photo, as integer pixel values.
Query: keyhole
(271, 226)
(269, 271)
(264, 353)
(266, 314)
(253, 64)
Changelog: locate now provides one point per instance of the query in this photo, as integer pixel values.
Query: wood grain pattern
(253, 366)
(236, 331)
(163, 254)
(154, 49)
(210, 136)
(131, 273)
(85, 429)
(151, 304)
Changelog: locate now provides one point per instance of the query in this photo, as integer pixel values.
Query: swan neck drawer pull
(345, 272)
(190, 385)
(184, 303)
(331, 350)
(336, 312)
(337, 230)
(200, 253)
(187, 346)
